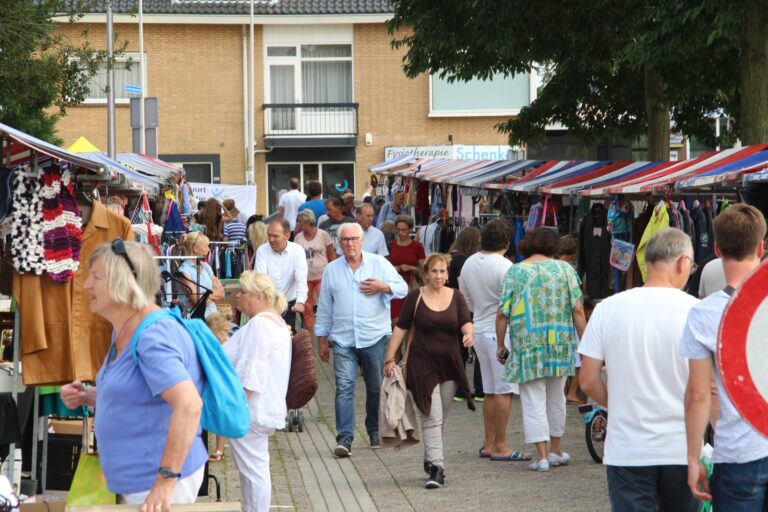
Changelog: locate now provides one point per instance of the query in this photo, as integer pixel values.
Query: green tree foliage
(615, 67)
(41, 73)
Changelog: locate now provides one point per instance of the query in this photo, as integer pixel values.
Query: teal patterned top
(538, 299)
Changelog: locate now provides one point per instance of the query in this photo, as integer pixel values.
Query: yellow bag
(89, 486)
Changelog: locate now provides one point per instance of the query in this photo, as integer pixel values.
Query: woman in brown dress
(434, 368)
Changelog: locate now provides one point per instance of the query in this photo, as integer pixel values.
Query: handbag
(409, 340)
(89, 486)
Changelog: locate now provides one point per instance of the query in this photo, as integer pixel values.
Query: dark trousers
(650, 489)
(478, 377)
(290, 316)
(740, 487)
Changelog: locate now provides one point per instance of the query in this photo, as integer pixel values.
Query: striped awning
(736, 170)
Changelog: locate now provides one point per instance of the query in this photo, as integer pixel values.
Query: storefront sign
(418, 151)
(482, 152)
(244, 195)
(457, 151)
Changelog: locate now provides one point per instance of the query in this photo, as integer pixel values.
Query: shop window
(499, 95)
(334, 177)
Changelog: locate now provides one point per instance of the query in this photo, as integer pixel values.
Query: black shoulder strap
(729, 290)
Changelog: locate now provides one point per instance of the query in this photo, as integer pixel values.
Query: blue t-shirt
(234, 231)
(316, 205)
(133, 419)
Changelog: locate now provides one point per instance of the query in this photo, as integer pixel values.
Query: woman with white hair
(319, 249)
(148, 426)
(261, 354)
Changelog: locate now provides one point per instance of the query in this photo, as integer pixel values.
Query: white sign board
(456, 151)
(244, 195)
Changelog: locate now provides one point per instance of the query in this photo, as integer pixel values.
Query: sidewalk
(307, 477)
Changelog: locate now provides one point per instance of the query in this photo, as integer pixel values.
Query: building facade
(330, 94)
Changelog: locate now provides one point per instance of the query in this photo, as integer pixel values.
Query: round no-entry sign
(742, 349)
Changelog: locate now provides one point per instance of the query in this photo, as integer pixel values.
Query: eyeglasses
(118, 247)
(694, 265)
(349, 240)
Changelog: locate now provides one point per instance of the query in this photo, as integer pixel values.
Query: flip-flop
(483, 454)
(514, 457)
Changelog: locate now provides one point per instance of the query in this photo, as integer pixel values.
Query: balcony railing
(310, 119)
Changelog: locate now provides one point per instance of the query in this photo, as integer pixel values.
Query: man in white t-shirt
(636, 335)
(739, 481)
(373, 239)
(290, 202)
(480, 282)
(712, 278)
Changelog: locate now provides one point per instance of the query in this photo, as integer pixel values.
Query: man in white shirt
(290, 202)
(712, 278)
(636, 335)
(373, 239)
(286, 263)
(739, 481)
(480, 282)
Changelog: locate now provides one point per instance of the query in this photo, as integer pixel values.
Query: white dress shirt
(290, 201)
(373, 241)
(287, 269)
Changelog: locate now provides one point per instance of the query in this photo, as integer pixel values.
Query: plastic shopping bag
(89, 486)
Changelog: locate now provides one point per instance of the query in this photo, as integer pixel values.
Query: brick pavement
(307, 477)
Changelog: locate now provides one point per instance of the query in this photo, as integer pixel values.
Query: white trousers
(251, 454)
(432, 426)
(543, 402)
(491, 370)
(185, 491)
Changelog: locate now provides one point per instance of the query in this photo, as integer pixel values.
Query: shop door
(278, 181)
(337, 178)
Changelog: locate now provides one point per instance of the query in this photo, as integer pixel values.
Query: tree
(617, 68)
(41, 73)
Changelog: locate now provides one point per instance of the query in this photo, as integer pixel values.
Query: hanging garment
(701, 242)
(594, 252)
(621, 213)
(61, 340)
(659, 220)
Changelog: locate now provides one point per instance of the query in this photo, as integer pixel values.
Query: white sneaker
(559, 460)
(539, 465)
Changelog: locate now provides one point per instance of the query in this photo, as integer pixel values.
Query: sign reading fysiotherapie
(456, 151)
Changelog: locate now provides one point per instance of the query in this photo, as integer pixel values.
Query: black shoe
(343, 449)
(436, 478)
(427, 467)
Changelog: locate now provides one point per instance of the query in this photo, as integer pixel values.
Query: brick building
(330, 93)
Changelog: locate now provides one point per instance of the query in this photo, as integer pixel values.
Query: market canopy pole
(111, 151)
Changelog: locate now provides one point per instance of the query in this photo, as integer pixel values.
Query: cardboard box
(69, 427)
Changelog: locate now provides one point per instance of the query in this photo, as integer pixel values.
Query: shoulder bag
(409, 340)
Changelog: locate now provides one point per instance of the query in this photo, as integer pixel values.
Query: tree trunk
(754, 75)
(657, 118)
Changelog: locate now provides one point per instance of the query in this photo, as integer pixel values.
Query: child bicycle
(596, 428)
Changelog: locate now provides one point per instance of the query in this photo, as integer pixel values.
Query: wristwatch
(166, 472)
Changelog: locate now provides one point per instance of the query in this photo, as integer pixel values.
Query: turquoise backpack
(225, 407)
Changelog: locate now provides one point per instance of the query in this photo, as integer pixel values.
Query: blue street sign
(132, 89)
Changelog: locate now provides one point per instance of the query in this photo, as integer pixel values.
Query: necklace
(438, 297)
(122, 327)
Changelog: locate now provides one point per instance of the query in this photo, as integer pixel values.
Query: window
(127, 72)
(198, 172)
(310, 73)
(334, 177)
(498, 96)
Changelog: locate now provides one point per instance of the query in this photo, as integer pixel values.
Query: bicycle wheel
(595, 432)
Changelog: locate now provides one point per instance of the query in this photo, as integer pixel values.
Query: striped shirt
(234, 230)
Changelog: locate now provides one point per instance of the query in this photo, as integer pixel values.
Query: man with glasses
(635, 335)
(353, 321)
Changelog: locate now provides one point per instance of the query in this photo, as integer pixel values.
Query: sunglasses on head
(118, 247)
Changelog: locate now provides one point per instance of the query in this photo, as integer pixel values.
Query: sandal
(483, 454)
(514, 457)
(217, 456)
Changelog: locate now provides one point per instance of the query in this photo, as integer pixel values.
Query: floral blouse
(538, 299)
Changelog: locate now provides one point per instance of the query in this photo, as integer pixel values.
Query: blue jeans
(650, 489)
(740, 487)
(345, 362)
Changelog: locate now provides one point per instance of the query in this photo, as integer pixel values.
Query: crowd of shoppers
(648, 354)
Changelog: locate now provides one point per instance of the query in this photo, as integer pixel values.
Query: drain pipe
(246, 125)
